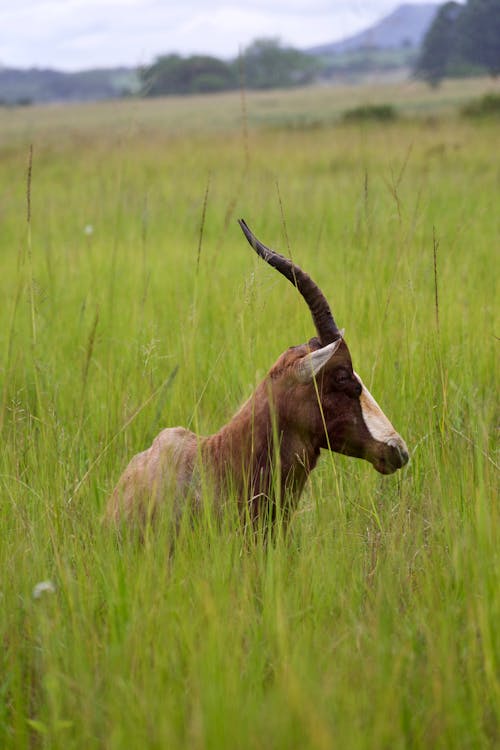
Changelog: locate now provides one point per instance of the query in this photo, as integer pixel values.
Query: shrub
(486, 106)
(369, 112)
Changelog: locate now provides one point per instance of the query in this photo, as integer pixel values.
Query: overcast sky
(78, 34)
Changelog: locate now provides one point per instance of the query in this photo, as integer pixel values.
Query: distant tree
(478, 34)
(173, 74)
(267, 64)
(439, 44)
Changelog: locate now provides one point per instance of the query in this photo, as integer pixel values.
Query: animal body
(311, 399)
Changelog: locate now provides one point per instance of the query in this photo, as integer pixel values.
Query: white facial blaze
(377, 423)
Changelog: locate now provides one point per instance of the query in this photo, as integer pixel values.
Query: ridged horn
(320, 309)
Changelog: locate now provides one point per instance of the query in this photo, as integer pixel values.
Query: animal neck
(260, 457)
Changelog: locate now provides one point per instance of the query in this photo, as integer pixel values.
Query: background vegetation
(376, 623)
(462, 40)
(264, 64)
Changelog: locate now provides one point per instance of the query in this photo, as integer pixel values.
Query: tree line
(462, 40)
(264, 64)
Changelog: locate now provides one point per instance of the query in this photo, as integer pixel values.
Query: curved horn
(319, 307)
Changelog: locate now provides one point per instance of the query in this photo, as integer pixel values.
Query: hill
(404, 28)
(37, 85)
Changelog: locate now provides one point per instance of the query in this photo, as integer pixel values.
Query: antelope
(311, 399)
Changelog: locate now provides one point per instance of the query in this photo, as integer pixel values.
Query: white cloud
(75, 34)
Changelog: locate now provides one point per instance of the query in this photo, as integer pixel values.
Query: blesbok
(310, 399)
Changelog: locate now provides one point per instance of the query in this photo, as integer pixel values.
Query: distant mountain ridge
(24, 86)
(406, 26)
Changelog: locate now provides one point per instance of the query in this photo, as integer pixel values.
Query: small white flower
(42, 587)
(88, 229)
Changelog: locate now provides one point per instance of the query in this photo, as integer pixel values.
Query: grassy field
(376, 624)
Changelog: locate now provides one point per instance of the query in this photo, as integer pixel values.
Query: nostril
(403, 454)
(400, 451)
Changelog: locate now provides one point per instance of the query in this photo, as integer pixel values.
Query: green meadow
(130, 301)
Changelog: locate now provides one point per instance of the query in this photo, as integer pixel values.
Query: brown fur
(265, 453)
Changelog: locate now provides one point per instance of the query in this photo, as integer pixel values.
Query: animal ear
(310, 365)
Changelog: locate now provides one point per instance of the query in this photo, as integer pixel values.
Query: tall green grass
(376, 623)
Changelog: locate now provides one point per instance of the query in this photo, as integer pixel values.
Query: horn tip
(248, 234)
